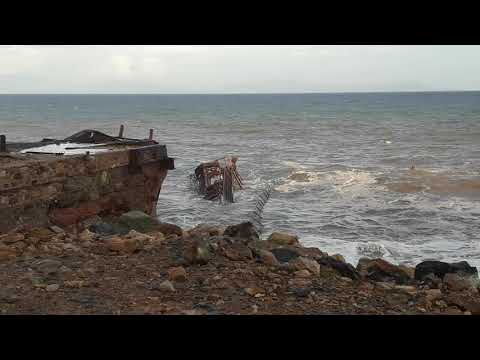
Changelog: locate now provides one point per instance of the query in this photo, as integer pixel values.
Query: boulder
(381, 270)
(169, 229)
(139, 221)
(439, 269)
(283, 239)
(177, 274)
(266, 257)
(197, 253)
(344, 269)
(237, 252)
(284, 255)
(455, 282)
(302, 263)
(205, 230)
(339, 258)
(124, 246)
(245, 231)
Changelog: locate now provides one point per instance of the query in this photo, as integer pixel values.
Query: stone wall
(40, 189)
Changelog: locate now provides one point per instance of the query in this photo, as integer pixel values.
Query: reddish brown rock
(283, 239)
(267, 258)
(169, 229)
(237, 252)
(177, 274)
(70, 216)
(120, 245)
(303, 263)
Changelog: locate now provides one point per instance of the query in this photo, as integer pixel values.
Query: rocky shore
(136, 265)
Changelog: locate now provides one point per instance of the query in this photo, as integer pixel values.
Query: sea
(390, 175)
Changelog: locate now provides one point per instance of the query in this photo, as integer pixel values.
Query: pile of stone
(433, 286)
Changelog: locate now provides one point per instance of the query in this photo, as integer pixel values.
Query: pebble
(52, 287)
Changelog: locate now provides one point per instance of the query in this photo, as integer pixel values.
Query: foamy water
(341, 163)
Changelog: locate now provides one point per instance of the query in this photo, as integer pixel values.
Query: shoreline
(137, 265)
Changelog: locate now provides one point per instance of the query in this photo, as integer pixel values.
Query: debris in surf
(218, 179)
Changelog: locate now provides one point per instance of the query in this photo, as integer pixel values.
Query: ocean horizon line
(245, 93)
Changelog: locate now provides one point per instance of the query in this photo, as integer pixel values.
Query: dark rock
(344, 269)
(244, 231)
(383, 271)
(439, 269)
(139, 221)
(169, 229)
(301, 292)
(107, 229)
(284, 255)
(237, 252)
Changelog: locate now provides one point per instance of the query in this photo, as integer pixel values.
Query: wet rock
(8, 239)
(245, 231)
(47, 266)
(169, 229)
(381, 270)
(7, 253)
(344, 269)
(439, 269)
(267, 257)
(139, 221)
(177, 274)
(455, 282)
(284, 255)
(339, 257)
(124, 246)
(237, 252)
(197, 253)
(52, 287)
(302, 263)
(283, 239)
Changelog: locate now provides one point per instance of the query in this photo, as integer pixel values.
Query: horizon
(251, 93)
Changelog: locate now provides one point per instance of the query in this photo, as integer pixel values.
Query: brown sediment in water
(299, 177)
(446, 183)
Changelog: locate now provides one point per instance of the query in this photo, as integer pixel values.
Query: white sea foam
(63, 148)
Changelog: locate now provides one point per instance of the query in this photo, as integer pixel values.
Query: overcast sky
(237, 69)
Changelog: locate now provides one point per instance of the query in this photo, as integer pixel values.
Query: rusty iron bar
(150, 136)
(120, 133)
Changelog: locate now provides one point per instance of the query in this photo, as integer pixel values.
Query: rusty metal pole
(3, 143)
(150, 137)
(120, 133)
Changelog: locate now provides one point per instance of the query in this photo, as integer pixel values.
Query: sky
(191, 69)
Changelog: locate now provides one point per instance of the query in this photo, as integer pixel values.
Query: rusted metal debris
(217, 180)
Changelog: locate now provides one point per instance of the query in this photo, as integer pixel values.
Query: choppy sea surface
(342, 163)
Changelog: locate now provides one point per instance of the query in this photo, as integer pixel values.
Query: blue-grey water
(341, 162)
